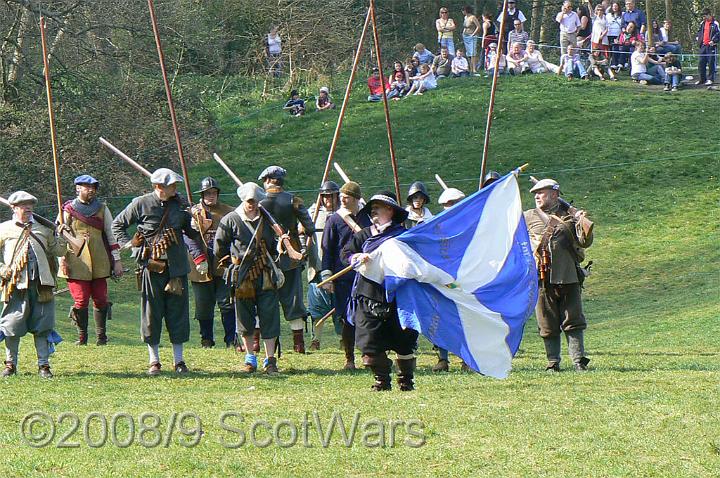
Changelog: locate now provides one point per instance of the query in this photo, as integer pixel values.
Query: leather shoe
(154, 369)
(181, 368)
(44, 371)
(9, 370)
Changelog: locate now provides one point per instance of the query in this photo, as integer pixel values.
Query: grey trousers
(158, 306)
(575, 345)
(291, 295)
(12, 346)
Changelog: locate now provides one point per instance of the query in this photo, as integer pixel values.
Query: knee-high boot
(380, 364)
(79, 319)
(101, 317)
(406, 373)
(348, 339)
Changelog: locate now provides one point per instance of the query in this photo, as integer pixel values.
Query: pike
(276, 227)
(441, 182)
(76, 244)
(124, 156)
(341, 172)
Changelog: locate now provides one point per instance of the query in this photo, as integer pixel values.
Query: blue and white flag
(466, 279)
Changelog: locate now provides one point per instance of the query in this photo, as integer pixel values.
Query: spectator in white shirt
(517, 60)
(460, 66)
(569, 25)
(536, 62)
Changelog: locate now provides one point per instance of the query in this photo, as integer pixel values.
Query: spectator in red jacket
(375, 86)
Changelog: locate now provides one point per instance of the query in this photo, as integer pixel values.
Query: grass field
(644, 164)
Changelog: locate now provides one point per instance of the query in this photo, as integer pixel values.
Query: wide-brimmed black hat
(389, 199)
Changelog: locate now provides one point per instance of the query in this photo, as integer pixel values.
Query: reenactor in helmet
(320, 301)
(28, 266)
(490, 178)
(162, 218)
(289, 210)
(559, 235)
(417, 198)
(209, 288)
(87, 274)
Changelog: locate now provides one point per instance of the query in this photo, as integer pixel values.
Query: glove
(203, 267)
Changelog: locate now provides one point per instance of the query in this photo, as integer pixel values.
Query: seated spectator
(412, 68)
(375, 86)
(626, 44)
(639, 70)
(517, 60)
(460, 65)
(673, 72)
(424, 81)
(423, 54)
(398, 87)
(536, 62)
(571, 65)
(442, 64)
(662, 41)
(397, 67)
(324, 102)
(295, 106)
(490, 61)
(599, 65)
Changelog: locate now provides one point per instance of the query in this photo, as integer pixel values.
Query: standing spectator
(536, 62)
(663, 44)
(274, 51)
(639, 70)
(324, 102)
(517, 60)
(571, 65)
(585, 30)
(511, 15)
(445, 27)
(626, 43)
(673, 72)
(599, 37)
(518, 35)
(442, 64)
(614, 26)
(489, 32)
(375, 86)
(423, 82)
(569, 25)
(708, 37)
(471, 32)
(423, 54)
(295, 105)
(460, 65)
(631, 14)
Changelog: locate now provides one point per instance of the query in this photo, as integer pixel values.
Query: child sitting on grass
(424, 81)
(295, 106)
(599, 65)
(571, 65)
(324, 102)
(490, 60)
(460, 66)
(673, 72)
(397, 87)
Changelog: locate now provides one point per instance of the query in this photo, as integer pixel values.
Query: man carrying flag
(377, 325)
(466, 278)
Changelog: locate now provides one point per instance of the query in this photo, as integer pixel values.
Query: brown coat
(567, 243)
(215, 213)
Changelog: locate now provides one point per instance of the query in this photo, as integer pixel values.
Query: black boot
(380, 365)
(101, 317)
(348, 342)
(79, 318)
(406, 374)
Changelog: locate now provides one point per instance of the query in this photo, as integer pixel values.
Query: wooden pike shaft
(393, 159)
(341, 172)
(124, 156)
(336, 275)
(324, 318)
(441, 182)
(343, 108)
(493, 89)
(227, 169)
(51, 113)
(171, 107)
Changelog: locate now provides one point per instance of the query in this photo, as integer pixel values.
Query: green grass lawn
(643, 163)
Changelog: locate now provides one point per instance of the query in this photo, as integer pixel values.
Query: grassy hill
(643, 163)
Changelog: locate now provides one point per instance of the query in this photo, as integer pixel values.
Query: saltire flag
(466, 279)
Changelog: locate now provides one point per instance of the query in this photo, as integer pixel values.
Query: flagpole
(493, 89)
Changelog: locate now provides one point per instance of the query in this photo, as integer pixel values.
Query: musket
(280, 233)
(341, 172)
(75, 244)
(586, 224)
(276, 227)
(227, 169)
(336, 275)
(124, 156)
